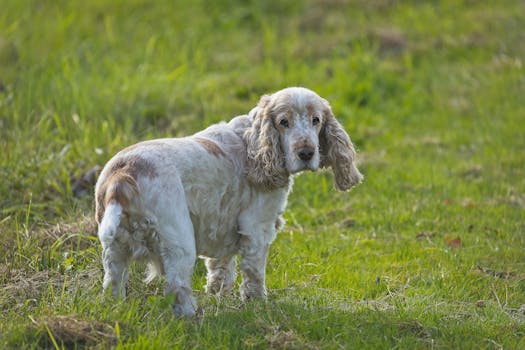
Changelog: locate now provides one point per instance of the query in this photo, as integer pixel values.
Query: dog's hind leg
(115, 263)
(177, 248)
(114, 257)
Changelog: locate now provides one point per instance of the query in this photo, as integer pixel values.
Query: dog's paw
(184, 310)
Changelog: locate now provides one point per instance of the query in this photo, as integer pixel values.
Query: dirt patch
(72, 332)
(390, 40)
(495, 273)
(279, 338)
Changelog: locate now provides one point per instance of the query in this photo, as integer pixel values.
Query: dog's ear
(337, 152)
(265, 160)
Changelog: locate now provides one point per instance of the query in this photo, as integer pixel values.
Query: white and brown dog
(215, 194)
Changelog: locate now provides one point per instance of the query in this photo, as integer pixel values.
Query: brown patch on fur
(99, 211)
(121, 185)
(210, 146)
(135, 166)
(121, 188)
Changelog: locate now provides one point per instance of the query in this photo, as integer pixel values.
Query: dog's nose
(306, 153)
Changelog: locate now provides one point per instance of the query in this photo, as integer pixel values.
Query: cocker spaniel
(216, 194)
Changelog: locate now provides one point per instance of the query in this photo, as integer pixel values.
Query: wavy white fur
(216, 194)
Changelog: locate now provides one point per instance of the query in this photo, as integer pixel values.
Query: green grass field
(429, 252)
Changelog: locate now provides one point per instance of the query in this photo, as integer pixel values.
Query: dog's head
(294, 130)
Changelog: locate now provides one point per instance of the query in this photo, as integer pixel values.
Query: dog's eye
(284, 123)
(315, 120)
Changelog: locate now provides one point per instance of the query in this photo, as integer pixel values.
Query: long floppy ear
(265, 160)
(337, 152)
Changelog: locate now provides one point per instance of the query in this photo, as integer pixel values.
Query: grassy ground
(429, 252)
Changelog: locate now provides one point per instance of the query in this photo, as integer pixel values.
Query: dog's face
(298, 115)
(294, 130)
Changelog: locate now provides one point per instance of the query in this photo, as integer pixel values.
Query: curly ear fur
(337, 152)
(265, 160)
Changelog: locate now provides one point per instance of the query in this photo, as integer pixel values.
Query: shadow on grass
(291, 322)
(296, 326)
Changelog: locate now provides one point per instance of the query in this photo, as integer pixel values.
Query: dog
(215, 194)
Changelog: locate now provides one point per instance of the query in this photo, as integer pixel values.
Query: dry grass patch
(85, 229)
(70, 331)
(21, 287)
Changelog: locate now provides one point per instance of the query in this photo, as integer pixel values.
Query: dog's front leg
(221, 275)
(253, 267)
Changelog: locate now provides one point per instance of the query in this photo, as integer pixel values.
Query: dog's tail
(110, 222)
(113, 197)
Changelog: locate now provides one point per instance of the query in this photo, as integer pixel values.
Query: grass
(427, 253)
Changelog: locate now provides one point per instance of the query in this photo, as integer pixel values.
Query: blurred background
(79, 80)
